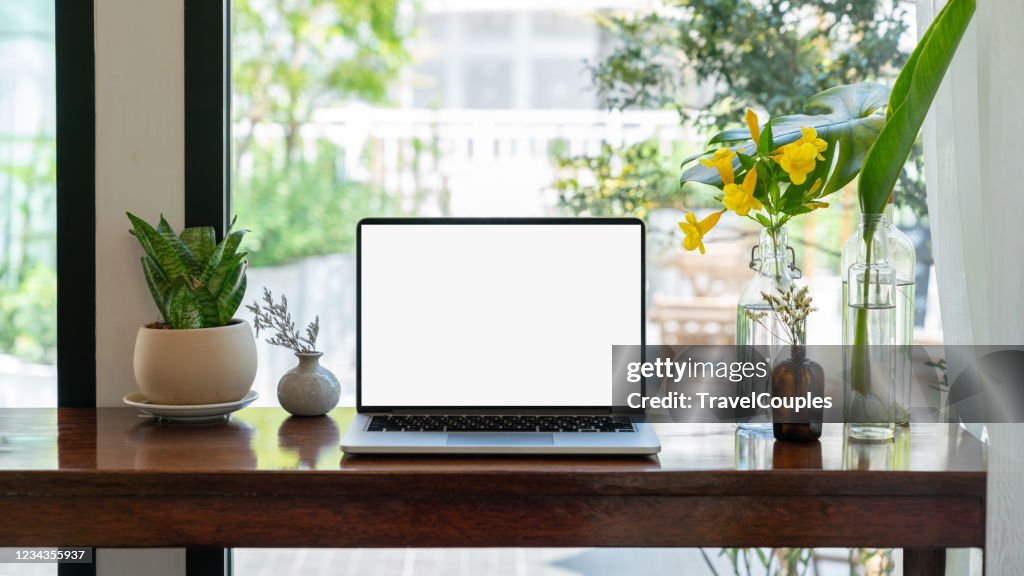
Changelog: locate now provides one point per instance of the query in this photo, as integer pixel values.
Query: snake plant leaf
(201, 241)
(232, 241)
(157, 283)
(225, 250)
(913, 92)
(158, 248)
(207, 306)
(849, 117)
(183, 309)
(231, 294)
(147, 246)
(226, 268)
(179, 247)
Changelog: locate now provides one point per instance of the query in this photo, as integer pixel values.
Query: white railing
(473, 162)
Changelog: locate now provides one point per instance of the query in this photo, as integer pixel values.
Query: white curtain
(974, 157)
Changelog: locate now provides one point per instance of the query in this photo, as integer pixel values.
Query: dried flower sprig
(791, 308)
(276, 317)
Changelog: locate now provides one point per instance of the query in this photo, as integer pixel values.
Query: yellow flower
(695, 230)
(752, 125)
(798, 160)
(740, 199)
(722, 161)
(810, 136)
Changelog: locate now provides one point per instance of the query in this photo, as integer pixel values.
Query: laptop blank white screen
(495, 315)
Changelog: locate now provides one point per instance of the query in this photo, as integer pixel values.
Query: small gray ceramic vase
(309, 389)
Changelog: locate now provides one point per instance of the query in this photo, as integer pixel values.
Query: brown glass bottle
(792, 379)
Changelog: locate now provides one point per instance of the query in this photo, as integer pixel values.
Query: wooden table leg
(924, 561)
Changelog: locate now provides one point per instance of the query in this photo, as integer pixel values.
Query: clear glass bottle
(869, 333)
(900, 252)
(772, 262)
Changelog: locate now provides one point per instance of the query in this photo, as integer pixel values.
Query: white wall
(139, 167)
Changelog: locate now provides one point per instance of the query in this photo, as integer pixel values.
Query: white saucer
(194, 413)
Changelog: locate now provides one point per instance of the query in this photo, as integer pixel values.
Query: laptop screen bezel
(555, 221)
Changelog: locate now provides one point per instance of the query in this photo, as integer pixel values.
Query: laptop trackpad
(493, 438)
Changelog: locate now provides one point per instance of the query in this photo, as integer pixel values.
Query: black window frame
(76, 202)
(75, 74)
(207, 165)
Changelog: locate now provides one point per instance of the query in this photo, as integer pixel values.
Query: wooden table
(108, 478)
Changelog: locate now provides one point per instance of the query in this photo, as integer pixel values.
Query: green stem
(860, 368)
(773, 231)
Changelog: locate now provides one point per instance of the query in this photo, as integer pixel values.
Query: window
(354, 108)
(28, 205)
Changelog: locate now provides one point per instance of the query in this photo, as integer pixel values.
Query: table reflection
(294, 433)
(753, 450)
(796, 455)
(758, 451)
(881, 456)
(269, 439)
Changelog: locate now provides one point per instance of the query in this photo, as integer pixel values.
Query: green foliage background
(771, 54)
(28, 277)
(290, 58)
(734, 54)
(301, 209)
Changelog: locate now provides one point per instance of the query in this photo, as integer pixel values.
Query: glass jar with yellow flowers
(774, 273)
(773, 172)
(770, 185)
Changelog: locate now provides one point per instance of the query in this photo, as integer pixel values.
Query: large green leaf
(201, 241)
(849, 117)
(912, 96)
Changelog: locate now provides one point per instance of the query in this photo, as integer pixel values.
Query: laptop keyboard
(476, 423)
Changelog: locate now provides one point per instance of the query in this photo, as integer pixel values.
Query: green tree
(620, 180)
(770, 54)
(291, 57)
(307, 209)
(711, 59)
(28, 280)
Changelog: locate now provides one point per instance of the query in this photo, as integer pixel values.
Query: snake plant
(195, 282)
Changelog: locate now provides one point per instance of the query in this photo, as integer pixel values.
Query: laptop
(495, 335)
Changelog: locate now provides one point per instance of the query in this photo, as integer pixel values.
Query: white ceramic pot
(309, 389)
(202, 366)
